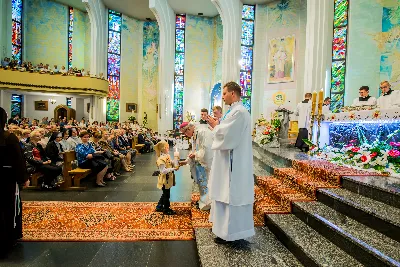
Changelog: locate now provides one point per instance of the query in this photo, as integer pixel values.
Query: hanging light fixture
(52, 101)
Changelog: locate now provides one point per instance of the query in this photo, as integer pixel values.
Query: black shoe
(169, 212)
(159, 209)
(221, 241)
(100, 185)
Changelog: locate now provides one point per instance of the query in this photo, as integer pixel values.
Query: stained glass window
(339, 47)
(16, 105)
(69, 101)
(113, 65)
(70, 33)
(16, 36)
(246, 62)
(179, 69)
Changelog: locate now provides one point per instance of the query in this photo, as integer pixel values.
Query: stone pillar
(98, 16)
(318, 56)
(166, 21)
(231, 16)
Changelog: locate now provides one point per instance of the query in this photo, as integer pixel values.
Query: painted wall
(217, 50)
(79, 42)
(198, 64)
(151, 42)
(88, 52)
(131, 55)
(273, 21)
(46, 32)
(363, 55)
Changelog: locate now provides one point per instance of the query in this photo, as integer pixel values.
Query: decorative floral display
(378, 156)
(368, 113)
(267, 133)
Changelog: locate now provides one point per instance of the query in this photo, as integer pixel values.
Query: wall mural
(281, 59)
(79, 39)
(46, 32)
(283, 13)
(388, 42)
(217, 51)
(151, 40)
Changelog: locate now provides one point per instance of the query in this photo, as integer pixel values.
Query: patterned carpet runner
(104, 221)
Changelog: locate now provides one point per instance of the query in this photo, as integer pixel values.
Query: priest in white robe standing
(231, 184)
(303, 111)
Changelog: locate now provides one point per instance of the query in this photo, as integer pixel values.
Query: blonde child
(166, 178)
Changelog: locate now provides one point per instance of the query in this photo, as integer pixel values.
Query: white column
(318, 54)
(231, 16)
(166, 21)
(99, 25)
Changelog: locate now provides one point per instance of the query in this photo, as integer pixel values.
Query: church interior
(124, 113)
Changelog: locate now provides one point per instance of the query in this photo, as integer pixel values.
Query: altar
(358, 127)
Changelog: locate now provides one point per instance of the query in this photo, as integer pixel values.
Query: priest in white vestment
(365, 99)
(326, 107)
(303, 111)
(231, 184)
(389, 98)
(200, 159)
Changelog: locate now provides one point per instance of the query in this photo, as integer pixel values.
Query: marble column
(318, 56)
(98, 25)
(231, 16)
(166, 21)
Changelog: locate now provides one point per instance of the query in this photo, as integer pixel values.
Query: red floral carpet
(104, 221)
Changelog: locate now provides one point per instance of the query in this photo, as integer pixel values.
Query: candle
(314, 102)
(176, 157)
(320, 101)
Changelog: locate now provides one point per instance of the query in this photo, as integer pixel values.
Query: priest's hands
(211, 121)
(192, 156)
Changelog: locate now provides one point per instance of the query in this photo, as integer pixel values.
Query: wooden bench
(34, 181)
(72, 178)
(136, 145)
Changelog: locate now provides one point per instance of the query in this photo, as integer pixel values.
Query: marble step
(261, 250)
(377, 215)
(306, 244)
(281, 192)
(265, 162)
(383, 189)
(363, 243)
(302, 181)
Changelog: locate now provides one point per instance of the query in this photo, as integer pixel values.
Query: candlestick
(314, 102)
(320, 101)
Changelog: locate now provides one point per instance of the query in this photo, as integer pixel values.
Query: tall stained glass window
(339, 48)
(246, 63)
(179, 69)
(70, 32)
(16, 105)
(113, 64)
(69, 102)
(16, 37)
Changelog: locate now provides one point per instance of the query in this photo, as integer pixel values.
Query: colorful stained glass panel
(339, 43)
(114, 64)
(17, 53)
(16, 7)
(112, 109)
(16, 33)
(246, 101)
(114, 42)
(179, 63)
(338, 76)
(114, 21)
(247, 32)
(180, 40)
(178, 83)
(341, 10)
(245, 83)
(113, 87)
(248, 12)
(247, 58)
(337, 102)
(180, 22)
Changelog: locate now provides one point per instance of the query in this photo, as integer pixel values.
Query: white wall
(5, 101)
(85, 113)
(79, 104)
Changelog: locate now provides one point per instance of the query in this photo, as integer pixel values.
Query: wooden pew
(72, 178)
(34, 181)
(136, 145)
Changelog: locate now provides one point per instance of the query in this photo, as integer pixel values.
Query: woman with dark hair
(88, 158)
(13, 173)
(37, 161)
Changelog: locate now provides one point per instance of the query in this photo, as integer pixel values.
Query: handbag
(108, 155)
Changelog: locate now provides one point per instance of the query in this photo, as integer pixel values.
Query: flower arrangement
(379, 156)
(261, 121)
(131, 118)
(269, 134)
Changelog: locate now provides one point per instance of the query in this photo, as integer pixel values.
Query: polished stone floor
(139, 186)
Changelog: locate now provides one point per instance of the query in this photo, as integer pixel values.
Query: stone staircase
(327, 215)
